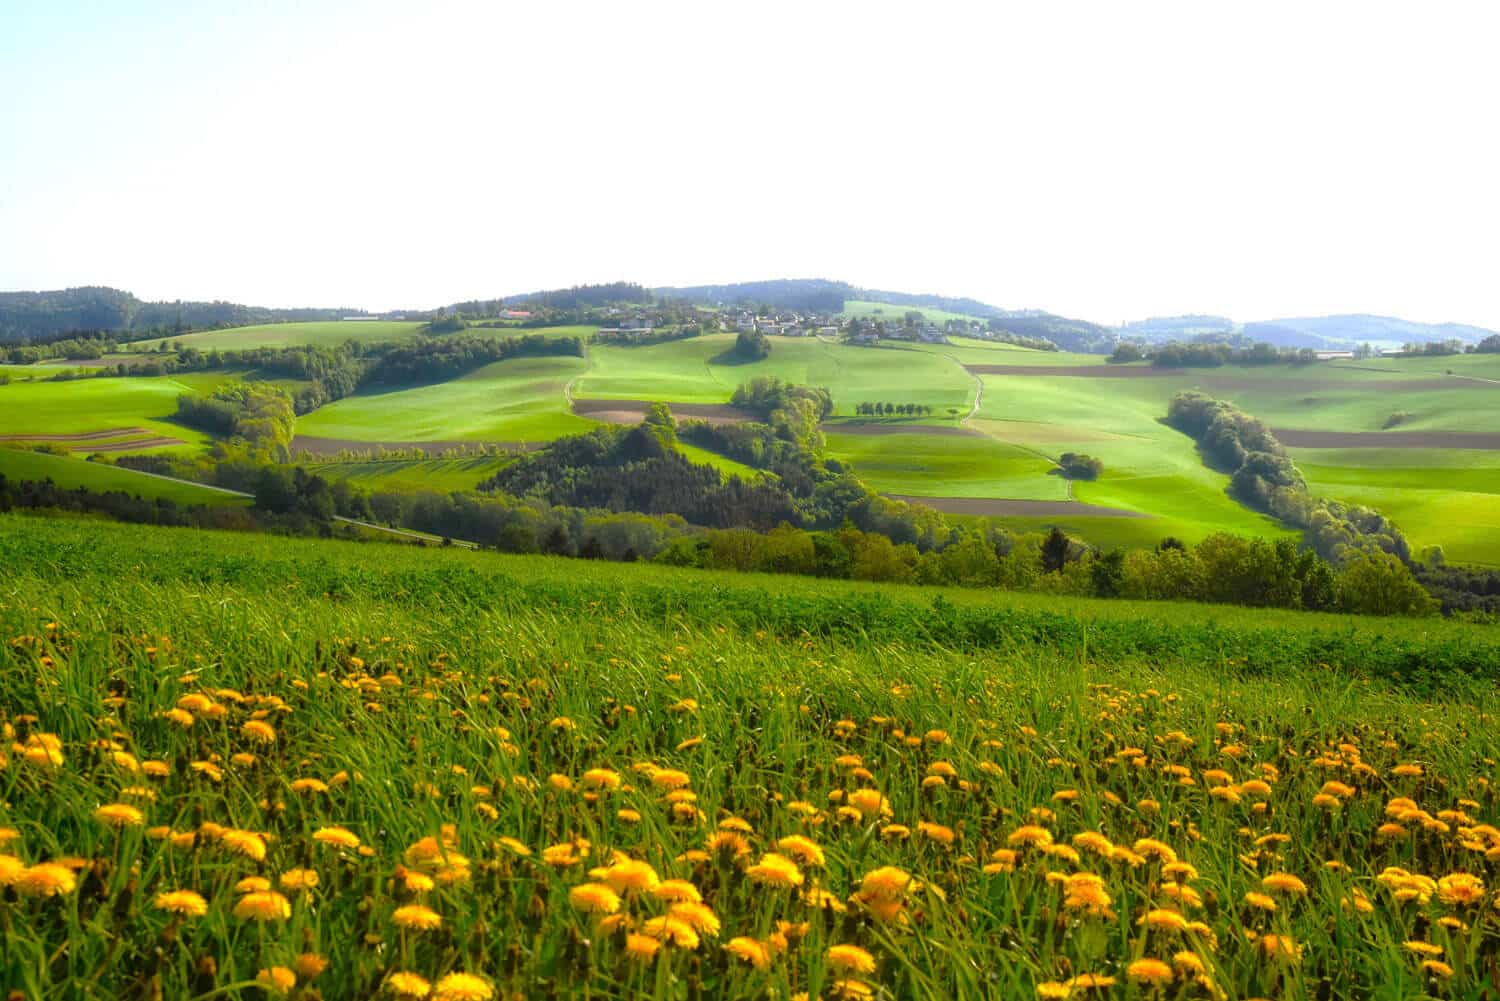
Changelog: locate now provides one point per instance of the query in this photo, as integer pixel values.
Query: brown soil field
(1018, 508)
(333, 446)
(1387, 439)
(80, 436)
(634, 411)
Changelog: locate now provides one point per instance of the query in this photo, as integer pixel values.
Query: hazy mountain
(1357, 328)
(1177, 327)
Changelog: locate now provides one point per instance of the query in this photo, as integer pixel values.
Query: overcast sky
(1108, 161)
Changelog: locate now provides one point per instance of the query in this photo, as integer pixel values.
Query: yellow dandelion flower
(1422, 948)
(119, 815)
(641, 948)
(338, 837)
(263, 905)
(750, 951)
(415, 917)
(1030, 834)
(259, 731)
(462, 987)
(1283, 882)
(246, 843)
(676, 891)
(673, 930)
(1161, 919)
(885, 883)
(299, 879)
(276, 979)
(1460, 889)
(850, 959)
(48, 879)
(184, 903)
(700, 917)
(775, 870)
(630, 876)
(1149, 971)
(310, 965)
(804, 850)
(407, 985)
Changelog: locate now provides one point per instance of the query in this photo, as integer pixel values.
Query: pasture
(516, 400)
(99, 477)
(280, 335)
(375, 770)
(94, 404)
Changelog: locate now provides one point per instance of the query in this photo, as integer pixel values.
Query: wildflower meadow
(216, 781)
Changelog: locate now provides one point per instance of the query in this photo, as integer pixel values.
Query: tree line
(1263, 477)
(884, 409)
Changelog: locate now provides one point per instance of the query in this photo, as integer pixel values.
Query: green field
(83, 405)
(416, 475)
(519, 399)
(66, 471)
(705, 370)
(498, 749)
(895, 314)
(277, 335)
(947, 466)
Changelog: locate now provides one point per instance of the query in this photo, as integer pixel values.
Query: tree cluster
(752, 345)
(883, 409)
(258, 413)
(1264, 477)
(1077, 466)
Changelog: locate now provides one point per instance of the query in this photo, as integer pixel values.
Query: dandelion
(183, 903)
(673, 930)
(1260, 901)
(885, 883)
(1460, 889)
(263, 905)
(677, 890)
(699, 916)
(1283, 882)
(594, 898)
(1281, 949)
(804, 850)
(1030, 835)
(49, 879)
(277, 979)
(462, 987)
(750, 951)
(850, 959)
(310, 965)
(641, 948)
(1422, 948)
(631, 876)
(299, 879)
(246, 843)
(1149, 971)
(252, 884)
(1160, 919)
(338, 837)
(259, 731)
(11, 870)
(415, 917)
(119, 815)
(1437, 968)
(407, 985)
(775, 870)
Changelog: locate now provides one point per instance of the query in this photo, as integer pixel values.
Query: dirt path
(634, 411)
(1018, 508)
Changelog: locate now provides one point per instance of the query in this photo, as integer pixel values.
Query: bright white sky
(1103, 160)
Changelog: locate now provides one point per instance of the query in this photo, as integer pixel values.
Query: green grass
(891, 313)
(724, 464)
(422, 688)
(415, 475)
(69, 472)
(82, 405)
(519, 399)
(704, 370)
(1148, 467)
(947, 466)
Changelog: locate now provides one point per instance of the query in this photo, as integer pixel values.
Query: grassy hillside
(275, 335)
(99, 477)
(397, 739)
(519, 399)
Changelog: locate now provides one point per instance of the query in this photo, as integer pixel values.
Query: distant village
(908, 326)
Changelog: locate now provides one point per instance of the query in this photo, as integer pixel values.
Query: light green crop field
(929, 465)
(413, 475)
(82, 405)
(519, 399)
(705, 370)
(70, 472)
(724, 464)
(972, 351)
(1148, 467)
(888, 312)
(1485, 366)
(276, 335)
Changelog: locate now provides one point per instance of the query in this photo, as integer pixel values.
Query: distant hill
(1178, 327)
(1357, 328)
(36, 316)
